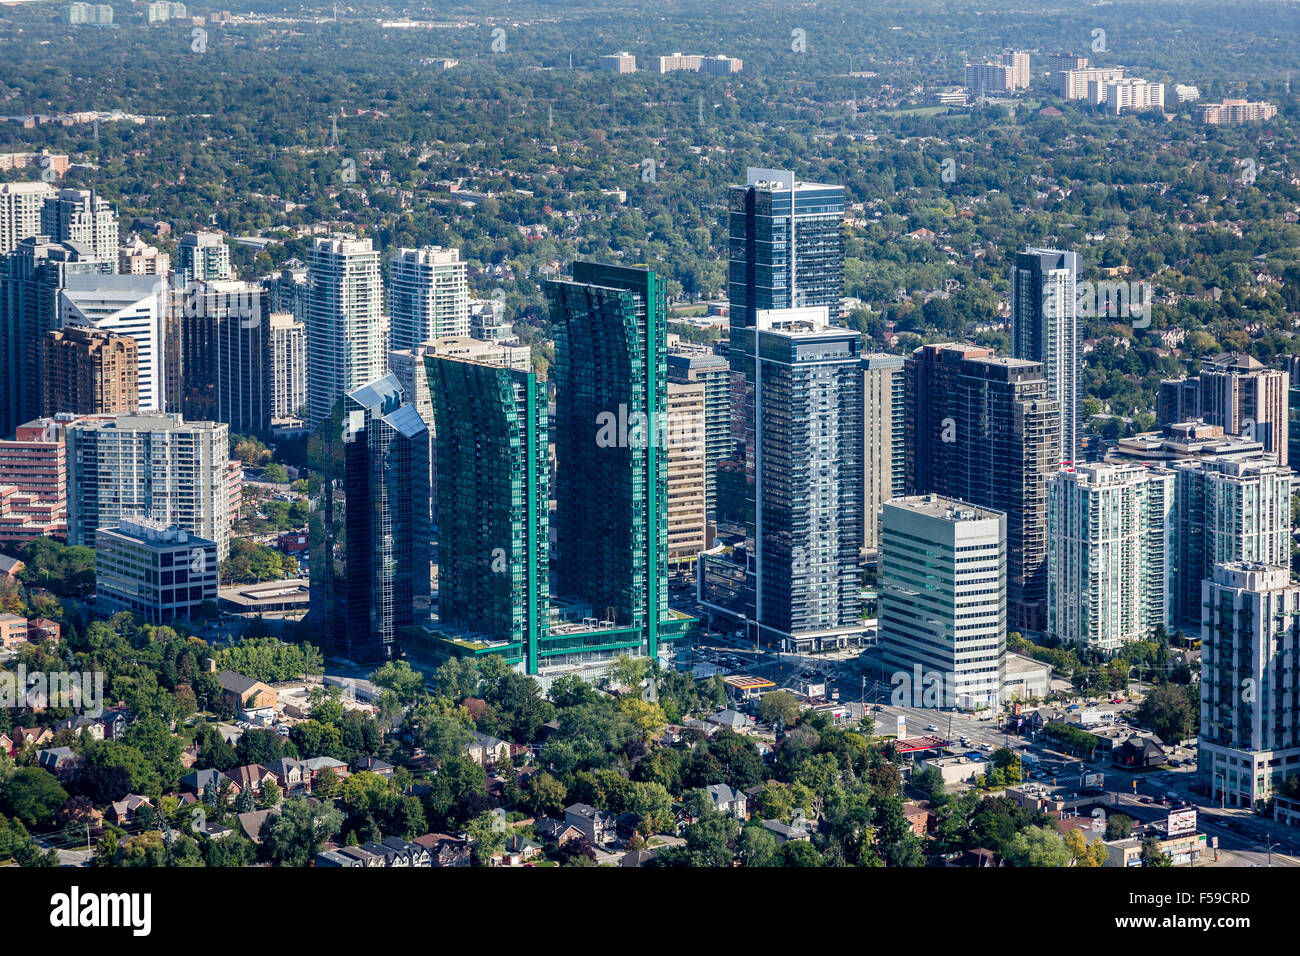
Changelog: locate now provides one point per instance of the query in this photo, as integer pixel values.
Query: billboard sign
(1181, 822)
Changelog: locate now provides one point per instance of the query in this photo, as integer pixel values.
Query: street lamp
(1223, 788)
(1268, 845)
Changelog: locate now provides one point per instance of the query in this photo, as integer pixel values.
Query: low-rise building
(158, 571)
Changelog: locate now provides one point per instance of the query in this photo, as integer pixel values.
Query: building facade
(158, 571)
(89, 371)
(428, 296)
(347, 331)
(884, 440)
(1044, 328)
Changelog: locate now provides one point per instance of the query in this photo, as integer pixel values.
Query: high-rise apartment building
(1045, 328)
(1237, 393)
(687, 467)
(690, 366)
(1249, 740)
(138, 258)
(34, 482)
(20, 212)
(156, 466)
(804, 540)
(1018, 61)
(493, 494)
(984, 429)
(203, 257)
(134, 306)
(943, 598)
(89, 371)
(370, 569)
(287, 340)
(785, 249)
(347, 331)
(30, 280)
(1226, 510)
(884, 439)
(1233, 112)
(1073, 84)
(226, 354)
(80, 215)
(610, 379)
(1129, 93)
(428, 296)
(618, 62)
(1108, 579)
(990, 77)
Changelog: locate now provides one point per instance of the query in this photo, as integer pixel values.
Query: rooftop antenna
(334, 130)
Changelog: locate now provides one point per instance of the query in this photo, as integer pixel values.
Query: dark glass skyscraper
(370, 535)
(493, 499)
(612, 476)
(786, 249)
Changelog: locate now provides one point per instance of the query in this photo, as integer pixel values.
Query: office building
(1233, 112)
(428, 296)
(687, 467)
(943, 598)
(1238, 394)
(158, 571)
(370, 568)
(611, 538)
(89, 371)
(982, 78)
(347, 331)
(1226, 510)
(226, 354)
(1044, 328)
(618, 62)
(493, 494)
(1249, 741)
(135, 306)
(30, 280)
(1108, 576)
(79, 215)
(884, 440)
(805, 537)
(203, 257)
(157, 466)
(692, 366)
(34, 482)
(984, 429)
(785, 248)
(138, 258)
(20, 212)
(287, 340)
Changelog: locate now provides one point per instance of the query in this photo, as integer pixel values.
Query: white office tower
(1045, 328)
(20, 212)
(134, 306)
(943, 597)
(347, 331)
(203, 257)
(1108, 554)
(1250, 682)
(428, 296)
(158, 466)
(288, 344)
(79, 215)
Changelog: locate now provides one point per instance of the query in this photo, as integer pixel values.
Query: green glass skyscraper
(611, 487)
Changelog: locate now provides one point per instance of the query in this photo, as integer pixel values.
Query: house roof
(724, 793)
(235, 682)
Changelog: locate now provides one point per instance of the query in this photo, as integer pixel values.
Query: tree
(1168, 711)
(1119, 827)
(897, 843)
(779, 705)
(799, 853)
(270, 795)
(545, 795)
(757, 847)
(1152, 855)
(1038, 846)
(294, 836)
(33, 795)
(488, 841)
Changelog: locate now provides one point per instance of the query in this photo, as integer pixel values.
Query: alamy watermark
(1116, 300)
(624, 429)
(77, 690)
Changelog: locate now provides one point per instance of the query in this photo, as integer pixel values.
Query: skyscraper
(687, 465)
(982, 429)
(20, 212)
(786, 249)
(493, 503)
(884, 439)
(611, 470)
(203, 257)
(1226, 510)
(943, 597)
(79, 215)
(428, 296)
(347, 332)
(34, 482)
(30, 279)
(86, 371)
(135, 306)
(1109, 559)
(806, 534)
(1248, 743)
(1237, 393)
(690, 366)
(226, 354)
(370, 567)
(1044, 328)
(157, 466)
(288, 345)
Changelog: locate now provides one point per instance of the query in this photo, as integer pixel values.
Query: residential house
(60, 761)
(116, 720)
(732, 720)
(918, 817)
(596, 826)
(335, 858)
(375, 765)
(315, 765)
(637, 858)
(124, 811)
(559, 832)
(199, 781)
(445, 850)
(520, 849)
(290, 775)
(414, 853)
(487, 751)
(728, 800)
(251, 777)
(41, 629)
(6, 744)
(9, 567)
(79, 723)
(13, 631)
(251, 822)
(1138, 752)
(392, 857)
(784, 832)
(36, 736)
(364, 857)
